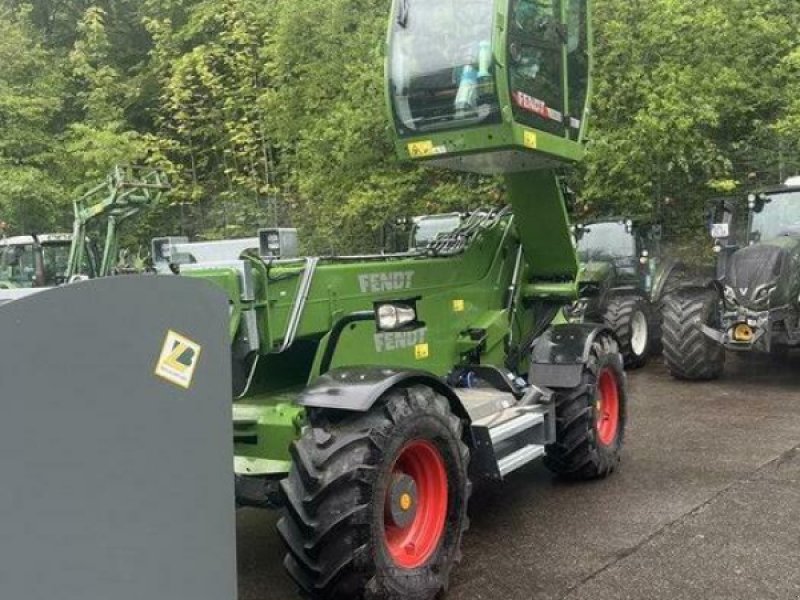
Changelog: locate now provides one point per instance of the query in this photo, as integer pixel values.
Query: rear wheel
(689, 353)
(590, 418)
(376, 502)
(628, 317)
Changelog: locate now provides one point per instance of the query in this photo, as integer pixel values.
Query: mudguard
(115, 442)
(558, 355)
(357, 389)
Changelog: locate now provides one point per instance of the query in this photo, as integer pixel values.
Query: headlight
(395, 316)
(273, 241)
(764, 293)
(730, 296)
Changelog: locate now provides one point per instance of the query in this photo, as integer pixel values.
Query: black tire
(579, 453)
(689, 354)
(622, 316)
(333, 525)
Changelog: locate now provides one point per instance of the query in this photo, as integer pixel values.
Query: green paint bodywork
(470, 309)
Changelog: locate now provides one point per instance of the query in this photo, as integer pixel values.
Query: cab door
(548, 58)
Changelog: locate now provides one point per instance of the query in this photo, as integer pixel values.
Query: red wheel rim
(411, 546)
(607, 407)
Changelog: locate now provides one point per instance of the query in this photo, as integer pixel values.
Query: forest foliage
(272, 113)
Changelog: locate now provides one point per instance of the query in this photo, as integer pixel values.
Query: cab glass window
(441, 72)
(535, 58)
(577, 64)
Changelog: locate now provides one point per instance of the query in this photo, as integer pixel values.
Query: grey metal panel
(116, 484)
(17, 294)
(219, 250)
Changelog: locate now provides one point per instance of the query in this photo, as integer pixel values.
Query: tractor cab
(489, 86)
(621, 246)
(38, 261)
(774, 214)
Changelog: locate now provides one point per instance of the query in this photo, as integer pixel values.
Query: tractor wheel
(376, 503)
(689, 354)
(629, 318)
(590, 418)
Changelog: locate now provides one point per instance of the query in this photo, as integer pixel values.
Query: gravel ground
(706, 505)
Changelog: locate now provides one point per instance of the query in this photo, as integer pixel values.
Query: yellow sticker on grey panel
(178, 360)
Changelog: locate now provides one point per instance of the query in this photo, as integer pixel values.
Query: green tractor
(619, 283)
(752, 303)
(35, 261)
(371, 392)
(46, 260)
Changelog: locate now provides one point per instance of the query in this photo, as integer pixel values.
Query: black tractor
(751, 304)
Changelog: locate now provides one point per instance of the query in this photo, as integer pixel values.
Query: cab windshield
(18, 263)
(441, 68)
(56, 261)
(605, 242)
(779, 217)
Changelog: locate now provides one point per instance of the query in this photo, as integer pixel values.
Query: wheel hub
(415, 505)
(607, 408)
(401, 500)
(639, 334)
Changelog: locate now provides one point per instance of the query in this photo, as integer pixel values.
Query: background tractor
(36, 261)
(752, 304)
(618, 279)
(372, 391)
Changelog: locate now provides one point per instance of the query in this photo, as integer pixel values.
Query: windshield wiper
(402, 13)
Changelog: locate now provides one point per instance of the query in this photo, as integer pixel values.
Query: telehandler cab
(372, 391)
(752, 303)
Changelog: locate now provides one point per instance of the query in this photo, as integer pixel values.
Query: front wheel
(628, 317)
(591, 417)
(689, 354)
(377, 502)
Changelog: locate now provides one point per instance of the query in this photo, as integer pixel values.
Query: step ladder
(507, 435)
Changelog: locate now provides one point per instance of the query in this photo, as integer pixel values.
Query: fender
(357, 389)
(558, 356)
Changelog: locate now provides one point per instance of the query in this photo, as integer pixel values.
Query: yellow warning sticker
(421, 351)
(178, 360)
(529, 139)
(421, 149)
(458, 306)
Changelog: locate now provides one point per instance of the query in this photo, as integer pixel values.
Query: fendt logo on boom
(386, 282)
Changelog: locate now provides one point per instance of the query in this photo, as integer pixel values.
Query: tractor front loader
(47, 260)
(752, 303)
(372, 391)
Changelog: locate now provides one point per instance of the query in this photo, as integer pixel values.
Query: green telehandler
(46, 260)
(751, 303)
(370, 392)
